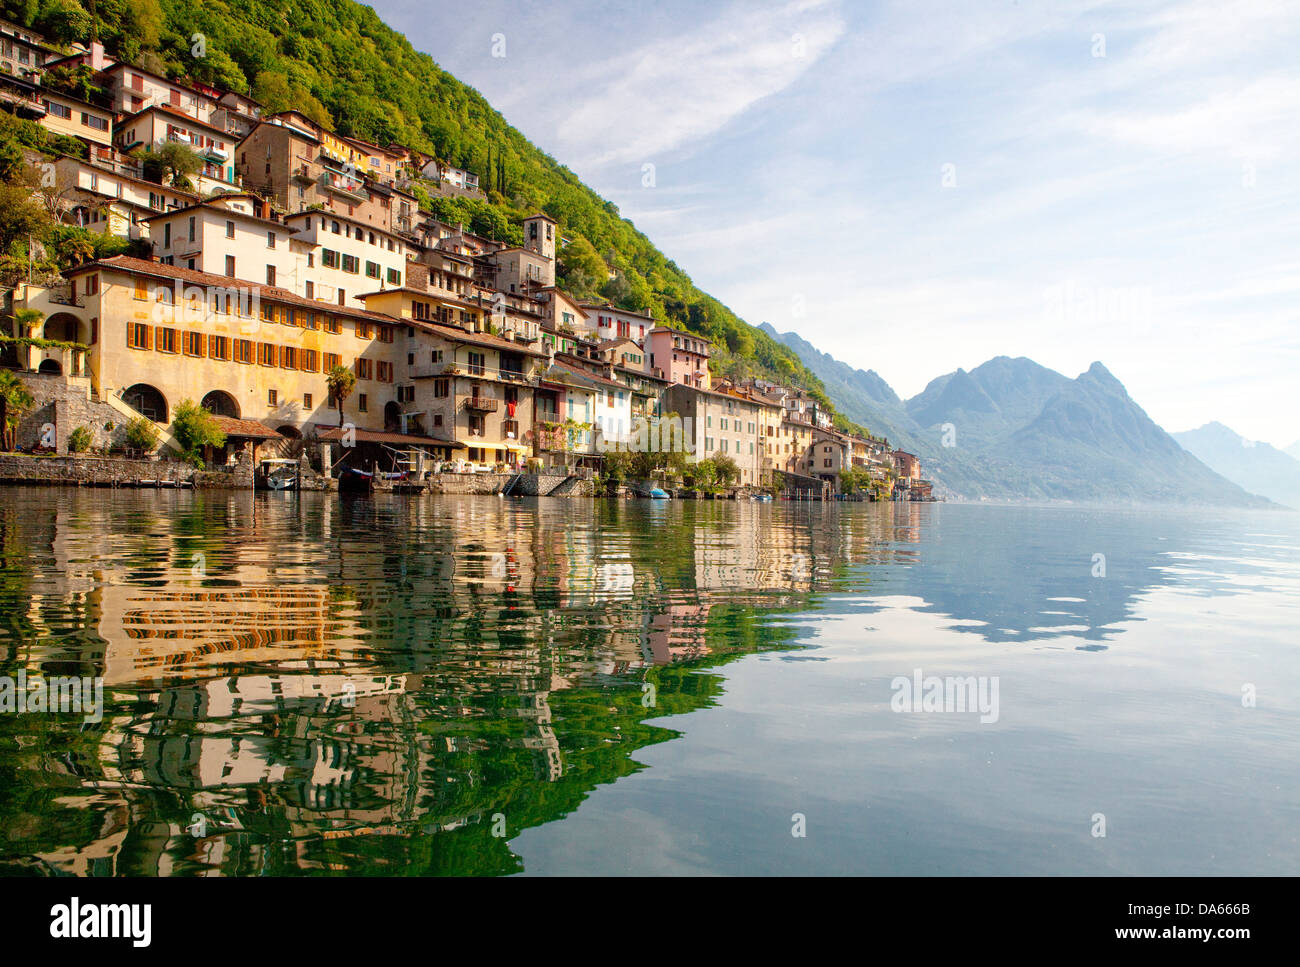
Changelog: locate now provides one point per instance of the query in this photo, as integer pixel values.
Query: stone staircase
(131, 413)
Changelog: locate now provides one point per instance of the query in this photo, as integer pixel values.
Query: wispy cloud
(635, 104)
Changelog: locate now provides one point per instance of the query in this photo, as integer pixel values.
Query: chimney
(97, 59)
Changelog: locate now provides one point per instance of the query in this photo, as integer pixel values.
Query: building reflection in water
(301, 684)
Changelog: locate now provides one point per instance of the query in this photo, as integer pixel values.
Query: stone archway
(220, 403)
(63, 326)
(392, 417)
(50, 367)
(148, 400)
(290, 431)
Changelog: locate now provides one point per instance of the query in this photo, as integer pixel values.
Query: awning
(497, 444)
(248, 429)
(335, 434)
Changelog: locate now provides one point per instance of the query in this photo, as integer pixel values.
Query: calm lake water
(450, 685)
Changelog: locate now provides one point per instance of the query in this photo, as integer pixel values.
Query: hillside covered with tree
(337, 62)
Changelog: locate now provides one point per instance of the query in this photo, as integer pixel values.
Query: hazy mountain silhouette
(1256, 467)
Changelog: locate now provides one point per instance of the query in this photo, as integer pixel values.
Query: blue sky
(915, 187)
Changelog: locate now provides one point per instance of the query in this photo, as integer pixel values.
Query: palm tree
(15, 400)
(340, 381)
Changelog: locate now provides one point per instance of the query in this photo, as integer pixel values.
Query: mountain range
(1256, 466)
(1018, 430)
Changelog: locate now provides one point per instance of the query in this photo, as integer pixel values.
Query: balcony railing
(344, 186)
(64, 297)
(483, 404)
(427, 370)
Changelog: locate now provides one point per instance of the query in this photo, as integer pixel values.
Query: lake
(298, 684)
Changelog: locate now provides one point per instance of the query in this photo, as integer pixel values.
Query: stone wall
(527, 484)
(115, 472)
(63, 403)
(468, 483)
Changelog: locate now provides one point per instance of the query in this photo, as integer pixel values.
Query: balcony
(340, 185)
(431, 370)
(62, 295)
(302, 173)
(482, 404)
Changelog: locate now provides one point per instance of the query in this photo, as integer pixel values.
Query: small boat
(355, 481)
(763, 498)
(658, 494)
(280, 474)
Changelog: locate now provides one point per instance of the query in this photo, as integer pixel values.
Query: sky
(916, 187)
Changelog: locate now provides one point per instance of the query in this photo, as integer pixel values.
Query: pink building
(683, 356)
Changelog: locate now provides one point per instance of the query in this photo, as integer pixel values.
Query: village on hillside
(290, 299)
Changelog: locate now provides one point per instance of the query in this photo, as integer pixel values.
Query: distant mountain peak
(1099, 372)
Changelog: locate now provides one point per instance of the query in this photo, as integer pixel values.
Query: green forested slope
(337, 61)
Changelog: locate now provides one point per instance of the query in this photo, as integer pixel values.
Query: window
(270, 239)
(476, 363)
(141, 289)
(266, 354)
(394, 277)
(363, 330)
(310, 292)
(435, 356)
(351, 263)
(92, 284)
(437, 419)
(363, 368)
(384, 372)
(230, 229)
(167, 235)
(363, 404)
(385, 333)
(329, 258)
(244, 351)
(372, 270)
(332, 324)
(331, 360)
(192, 343)
(306, 401)
(191, 229)
(59, 110)
(230, 266)
(272, 397)
(270, 275)
(441, 388)
(309, 360)
(139, 335)
(164, 339)
(219, 348)
(289, 357)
